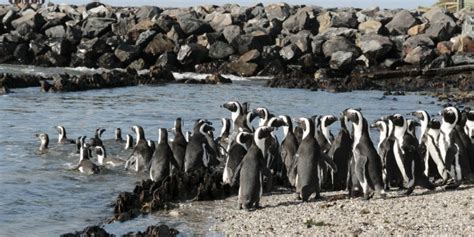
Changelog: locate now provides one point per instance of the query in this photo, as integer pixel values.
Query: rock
(165, 23)
(444, 47)
(8, 18)
(463, 43)
(96, 27)
(175, 34)
(167, 60)
(193, 26)
(220, 50)
(263, 26)
(73, 34)
(440, 31)
(339, 43)
(89, 231)
(162, 74)
(231, 33)
(370, 26)
(462, 59)
(109, 61)
(340, 31)
(442, 61)
(290, 52)
(208, 39)
(243, 69)
(91, 48)
(299, 21)
(148, 12)
(421, 55)
(99, 11)
(341, 60)
(418, 29)
(374, 46)
(142, 26)
(217, 79)
(244, 43)
(145, 37)
(161, 231)
(127, 53)
(38, 46)
(60, 46)
(192, 54)
(415, 41)
(53, 19)
(138, 64)
(219, 21)
(302, 41)
(401, 22)
(30, 18)
(279, 11)
(56, 32)
(159, 44)
(250, 56)
(336, 19)
(23, 54)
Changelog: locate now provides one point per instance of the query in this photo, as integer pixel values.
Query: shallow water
(40, 197)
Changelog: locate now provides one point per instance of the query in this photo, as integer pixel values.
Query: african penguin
(163, 158)
(236, 153)
(129, 142)
(118, 135)
(179, 143)
(103, 159)
(288, 148)
(44, 141)
(223, 139)
(341, 153)
(197, 155)
(97, 139)
(62, 138)
(85, 164)
(142, 153)
(449, 149)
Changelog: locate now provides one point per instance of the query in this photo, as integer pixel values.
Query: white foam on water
(202, 76)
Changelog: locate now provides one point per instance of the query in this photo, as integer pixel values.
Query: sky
(409, 4)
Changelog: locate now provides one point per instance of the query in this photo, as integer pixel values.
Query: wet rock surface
(151, 231)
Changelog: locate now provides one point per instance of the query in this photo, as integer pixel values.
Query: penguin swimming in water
(97, 139)
(128, 142)
(179, 143)
(368, 165)
(62, 137)
(142, 153)
(288, 149)
(237, 151)
(85, 164)
(44, 141)
(251, 170)
(407, 155)
(118, 135)
(103, 159)
(163, 159)
(341, 153)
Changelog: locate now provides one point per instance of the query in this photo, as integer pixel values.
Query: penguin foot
(366, 197)
(239, 206)
(297, 197)
(408, 191)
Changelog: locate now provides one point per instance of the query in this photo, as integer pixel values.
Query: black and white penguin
(251, 170)
(97, 139)
(467, 153)
(407, 156)
(446, 142)
(411, 128)
(179, 143)
(118, 135)
(288, 149)
(236, 153)
(324, 137)
(264, 115)
(223, 139)
(152, 145)
(62, 137)
(307, 161)
(163, 158)
(128, 142)
(298, 131)
(431, 154)
(142, 153)
(341, 153)
(44, 141)
(469, 125)
(104, 160)
(198, 151)
(324, 123)
(85, 164)
(238, 115)
(368, 165)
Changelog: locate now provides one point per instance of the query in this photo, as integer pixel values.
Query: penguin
(307, 160)
(411, 128)
(368, 165)
(288, 149)
(251, 170)
(128, 142)
(324, 137)
(324, 122)
(97, 139)
(405, 149)
(163, 159)
(118, 135)
(449, 149)
(179, 143)
(44, 141)
(264, 115)
(341, 153)
(298, 131)
(237, 151)
(197, 155)
(469, 125)
(238, 115)
(152, 145)
(62, 138)
(142, 153)
(104, 160)
(85, 164)
(223, 139)
(431, 154)
(467, 153)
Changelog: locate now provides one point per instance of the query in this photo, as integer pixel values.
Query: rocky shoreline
(300, 46)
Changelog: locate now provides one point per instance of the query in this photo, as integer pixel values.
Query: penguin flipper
(329, 162)
(236, 174)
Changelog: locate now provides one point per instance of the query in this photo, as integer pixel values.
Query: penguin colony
(309, 158)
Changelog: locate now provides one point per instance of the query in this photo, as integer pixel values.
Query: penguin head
(353, 115)
(44, 138)
(287, 121)
(178, 123)
(61, 130)
(206, 129)
(99, 151)
(450, 115)
(327, 120)
(398, 120)
(251, 116)
(99, 132)
(162, 135)
(422, 115)
(307, 125)
(243, 138)
(263, 132)
(470, 115)
(225, 125)
(151, 144)
(245, 107)
(379, 124)
(434, 124)
(118, 132)
(262, 112)
(276, 122)
(233, 106)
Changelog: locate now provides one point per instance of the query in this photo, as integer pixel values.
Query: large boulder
(244, 43)
(257, 26)
(421, 55)
(374, 46)
(301, 20)
(145, 37)
(243, 69)
(54, 19)
(250, 56)
(415, 41)
(340, 43)
(220, 50)
(56, 32)
(193, 26)
(290, 52)
(96, 27)
(337, 19)
(142, 26)
(463, 43)
(342, 60)
(219, 21)
(159, 44)
(279, 11)
(192, 54)
(30, 18)
(371, 26)
(126, 53)
(401, 22)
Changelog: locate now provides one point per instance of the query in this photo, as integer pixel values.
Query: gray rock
(290, 52)
(302, 40)
(145, 37)
(91, 48)
(192, 54)
(256, 26)
(175, 34)
(126, 53)
(30, 18)
(148, 12)
(300, 21)
(440, 31)
(337, 19)
(463, 59)
(243, 69)
(165, 23)
(193, 26)
(340, 31)
(167, 60)
(231, 33)
(137, 65)
(158, 45)
(38, 46)
(421, 55)
(374, 46)
(219, 21)
(208, 39)
(279, 11)
(340, 43)
(73, 34)
(401, 22)
(244, 43)
(96, 27)
(371, 26)
(220, 50)
(56, 31)
(415, 41)
(109, 61)
(60, 46)
(9, 17)
(251, 56)
(341, 60)
(54, 19)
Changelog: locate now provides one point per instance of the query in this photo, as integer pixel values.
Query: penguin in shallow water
(163, 158)
(236, 153)
(341, 153)
(288, 148)
(85, 164)
(407, 156)
(251, 170)
(118, 135)
(368, 165)
(97, 139)
(179, 143)
(142, 153)
(199, 153)
(44, 141)
(103, 159)
(62, 137)
(128, 142)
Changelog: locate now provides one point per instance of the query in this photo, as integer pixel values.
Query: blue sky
(410, 4)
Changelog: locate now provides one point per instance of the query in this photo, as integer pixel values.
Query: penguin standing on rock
(368, 165)
(251, 170)
(142, 153)
(199, 151)
(179, 143)
(163, 158)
